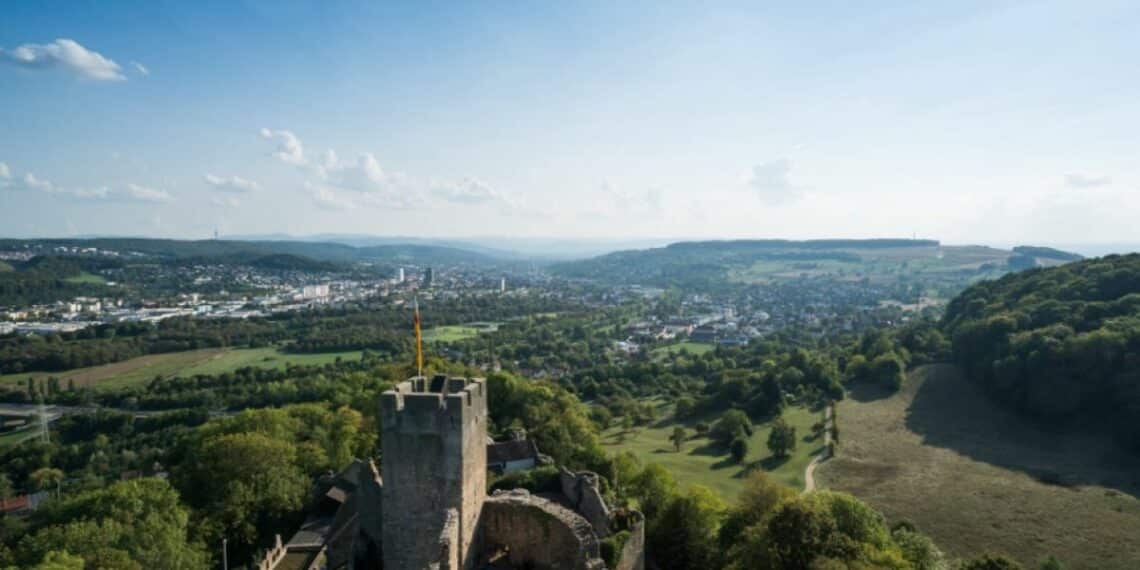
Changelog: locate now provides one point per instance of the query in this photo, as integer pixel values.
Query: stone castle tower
(434, 437)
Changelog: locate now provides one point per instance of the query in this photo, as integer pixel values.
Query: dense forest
(1061, 343)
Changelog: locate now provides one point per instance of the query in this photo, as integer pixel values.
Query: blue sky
(996, 122)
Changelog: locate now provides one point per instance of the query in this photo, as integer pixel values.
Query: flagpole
(419, 338)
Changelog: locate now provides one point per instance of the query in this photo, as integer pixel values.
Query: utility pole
(225, 558)
(42, 412)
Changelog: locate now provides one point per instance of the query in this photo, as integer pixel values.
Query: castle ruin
(436, 513)
(427, 506)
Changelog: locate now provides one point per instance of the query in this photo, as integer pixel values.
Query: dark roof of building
(505, 451)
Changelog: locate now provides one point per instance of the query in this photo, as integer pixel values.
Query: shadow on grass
(711, 448)
(948, 411)
(868, 392)
(771, 463)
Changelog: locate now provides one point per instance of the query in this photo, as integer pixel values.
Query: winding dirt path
(809, 472)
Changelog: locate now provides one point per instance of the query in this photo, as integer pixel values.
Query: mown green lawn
(452, 333)
(85, 277)
(694, 348)
(700, 462)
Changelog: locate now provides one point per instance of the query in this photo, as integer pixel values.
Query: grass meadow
(700, 462)
(978, 478)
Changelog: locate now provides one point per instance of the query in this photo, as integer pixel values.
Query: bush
(611, 547)
(539, 480)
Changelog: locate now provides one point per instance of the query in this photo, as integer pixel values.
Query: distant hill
(1047, 253)
(1059, 343)
(251, 250)
(692, 262)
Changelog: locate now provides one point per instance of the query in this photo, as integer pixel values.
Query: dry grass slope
(979, 479)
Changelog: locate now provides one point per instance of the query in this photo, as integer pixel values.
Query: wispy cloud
(468, 191)
(1086, 181)
(67, 55)
(231, 183)
(140, 68)
(146, 193)
(772, 181)
(225, 201)
(32, 183)
(327, 199)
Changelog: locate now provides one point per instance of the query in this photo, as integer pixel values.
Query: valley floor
(977, 478)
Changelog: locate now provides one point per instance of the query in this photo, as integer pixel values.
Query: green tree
(782, 438)
(47, 478)
(685, 407)
(132, 524)
(919, 550)
(1051, 563)
(731, 425)
(653, 488)
(242, 482)
(56, 560)
(683, 535)
(678, 437)
(738, 449)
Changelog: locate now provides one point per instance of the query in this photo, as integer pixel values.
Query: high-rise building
(400, 275)
(429, 277)
(503, 285)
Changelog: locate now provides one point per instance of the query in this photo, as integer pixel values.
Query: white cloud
(362, 175)
(140, 68)
(146, 194)
(225, 201)
(468, 191)
(1086, 181)
(231, 183)
(33, 183)
(327, 199)
(5, 173)
(289, 148)
(772, 181)
(64, 54)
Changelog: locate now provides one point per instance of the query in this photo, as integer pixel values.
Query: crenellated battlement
(433, 405)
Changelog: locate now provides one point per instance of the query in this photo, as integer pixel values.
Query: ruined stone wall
(633, 553)
(434, 459)
(539, 533)
(584, 494)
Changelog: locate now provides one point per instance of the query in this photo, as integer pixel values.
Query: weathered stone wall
(447, 546)
(582, 490)
(633, 553)
(539, 533)
(434, 436)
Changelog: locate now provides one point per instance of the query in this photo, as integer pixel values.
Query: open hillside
(978, 478)
(761, 261)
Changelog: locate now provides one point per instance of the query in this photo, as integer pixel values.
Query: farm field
(205, 361)
(700, 463)
(977, 478)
